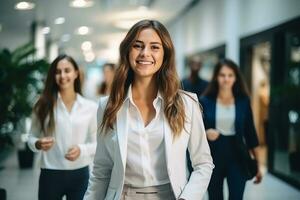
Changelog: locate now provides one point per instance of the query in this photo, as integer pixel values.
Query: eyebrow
(139, 41)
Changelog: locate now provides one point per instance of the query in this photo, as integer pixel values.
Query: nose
(62, 74)
(146, 51)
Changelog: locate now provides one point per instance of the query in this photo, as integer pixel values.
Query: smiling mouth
(142, 62)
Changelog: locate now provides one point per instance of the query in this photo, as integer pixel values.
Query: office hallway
(22, 184)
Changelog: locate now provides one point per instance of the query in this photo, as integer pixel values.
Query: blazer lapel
(122, 132)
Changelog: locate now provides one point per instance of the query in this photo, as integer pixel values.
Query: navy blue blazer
(244, 124)
(198, 87)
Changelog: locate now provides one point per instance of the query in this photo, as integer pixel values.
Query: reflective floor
(23, 184)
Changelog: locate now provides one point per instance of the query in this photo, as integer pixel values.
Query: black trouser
(226, 166)
(54, 184)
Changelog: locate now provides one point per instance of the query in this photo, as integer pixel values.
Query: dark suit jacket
(244, 124)
(198, 87)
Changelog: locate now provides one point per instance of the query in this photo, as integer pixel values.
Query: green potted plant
(21, 79)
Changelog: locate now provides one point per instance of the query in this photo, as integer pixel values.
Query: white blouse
(225, 118)
(77, 127)
(146, 162)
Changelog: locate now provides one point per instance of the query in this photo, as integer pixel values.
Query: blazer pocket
(110, 194)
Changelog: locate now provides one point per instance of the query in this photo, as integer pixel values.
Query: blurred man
(194, 83)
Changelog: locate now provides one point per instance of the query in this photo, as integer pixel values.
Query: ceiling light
(83, 30)
(46, 30)
(89, 56)
(125, 24)
(59, 20)
(24, 5)
(65, 38)
(81, 3)
(86, 46)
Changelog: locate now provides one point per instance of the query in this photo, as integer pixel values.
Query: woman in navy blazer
(227, 114)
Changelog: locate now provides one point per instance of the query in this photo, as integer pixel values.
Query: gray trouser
(161, 192)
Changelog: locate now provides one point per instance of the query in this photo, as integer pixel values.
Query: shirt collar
(79, 98)
(129, 95)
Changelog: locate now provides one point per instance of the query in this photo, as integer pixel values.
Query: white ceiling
(101, 18)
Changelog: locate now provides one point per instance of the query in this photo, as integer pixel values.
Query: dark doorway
(270, 61)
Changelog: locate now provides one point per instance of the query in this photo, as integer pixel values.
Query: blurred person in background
(146, 126)
(194, 83)
(63, 130)
(228, 116)
(108, 74)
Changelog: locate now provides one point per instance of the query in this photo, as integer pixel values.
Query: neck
(194, 76)
(68, 95)
(225, 94)
(144, 89)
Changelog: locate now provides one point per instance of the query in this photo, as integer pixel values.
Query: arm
(89, 148)
(252, 141)
(35, 142)
(103, 163)
(200, 158)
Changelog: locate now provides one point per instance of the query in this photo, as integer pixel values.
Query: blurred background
(262, 36)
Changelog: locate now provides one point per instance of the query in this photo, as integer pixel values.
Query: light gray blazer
(107, 178)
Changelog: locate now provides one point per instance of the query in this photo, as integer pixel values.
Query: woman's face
(226, 78)
(65, 75)
(146, 54)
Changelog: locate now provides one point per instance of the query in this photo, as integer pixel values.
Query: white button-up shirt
(146, 161)
(225, 118)
(77, 127)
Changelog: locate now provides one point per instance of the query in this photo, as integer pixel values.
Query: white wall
(214, 22)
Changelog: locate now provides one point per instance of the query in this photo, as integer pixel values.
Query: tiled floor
(22, 185)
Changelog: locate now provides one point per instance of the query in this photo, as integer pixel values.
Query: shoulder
(103, 101)
(207, 99)
(242, 99)
(204, 81)
(87, 102)
(188, 96)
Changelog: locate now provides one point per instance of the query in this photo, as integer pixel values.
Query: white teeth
(145, 62)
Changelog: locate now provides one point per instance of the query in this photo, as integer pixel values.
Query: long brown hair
(239, 88)
(45, 104)
(166, 79)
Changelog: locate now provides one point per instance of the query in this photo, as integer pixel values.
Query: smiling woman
(146, 126)
(63, 130)
(147, 54)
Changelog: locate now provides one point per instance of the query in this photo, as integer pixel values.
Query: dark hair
(45, 104)
(166, 78)
(103, 86)
(239, 87)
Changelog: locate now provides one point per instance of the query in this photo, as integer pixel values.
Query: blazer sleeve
(249, 129)
(103, 163)
(200, 157)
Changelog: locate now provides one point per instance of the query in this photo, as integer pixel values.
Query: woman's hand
(73, 153)
(44, 143)
(212, 134)
(258, 177)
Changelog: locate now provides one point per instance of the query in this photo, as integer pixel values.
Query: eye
(67, 70)
(137, 46)
(155, 47)
(57, 71)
